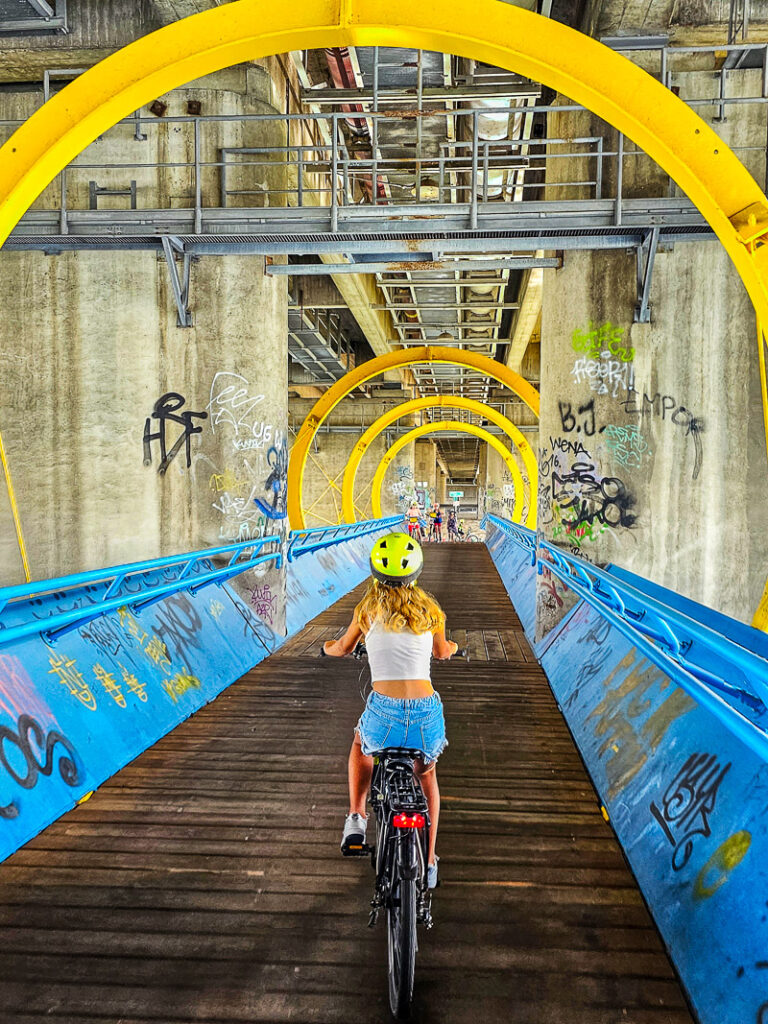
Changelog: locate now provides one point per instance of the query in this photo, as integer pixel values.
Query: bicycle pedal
(373, 918)
(357, 850)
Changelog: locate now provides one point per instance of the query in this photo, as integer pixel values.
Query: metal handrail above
(135, 585)
(192, 576)
(723, 676)
(522, 535)
(302, 542)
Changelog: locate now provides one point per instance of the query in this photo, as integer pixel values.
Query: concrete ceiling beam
(526, 319)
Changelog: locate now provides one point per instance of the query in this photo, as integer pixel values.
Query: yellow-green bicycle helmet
(396, 560)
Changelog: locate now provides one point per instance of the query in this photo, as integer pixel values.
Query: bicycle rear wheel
(401, 934)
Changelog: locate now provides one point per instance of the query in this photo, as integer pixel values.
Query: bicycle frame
(399, 852)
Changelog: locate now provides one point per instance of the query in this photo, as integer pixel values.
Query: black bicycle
(400, 860)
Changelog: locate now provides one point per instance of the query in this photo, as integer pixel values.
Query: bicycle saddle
(390, 752)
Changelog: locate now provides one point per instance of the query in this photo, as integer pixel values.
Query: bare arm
(345, 644)
(443, 649)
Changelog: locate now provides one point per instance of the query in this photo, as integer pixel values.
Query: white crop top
(405, 655)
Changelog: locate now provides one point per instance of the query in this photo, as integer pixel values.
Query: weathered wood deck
(204, 882)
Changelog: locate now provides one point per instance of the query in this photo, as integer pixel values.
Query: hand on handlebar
(358, 653)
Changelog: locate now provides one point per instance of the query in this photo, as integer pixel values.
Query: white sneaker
(353, 839)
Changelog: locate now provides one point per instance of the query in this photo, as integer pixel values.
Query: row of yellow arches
(487, 30)
(398, 360)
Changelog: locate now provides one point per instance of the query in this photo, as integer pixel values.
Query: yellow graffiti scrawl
(72, 678)
(718, 868)
(181, 683)
(626, 745)
(131, 625)
(133, 684)
(157, 651)
(111, 688)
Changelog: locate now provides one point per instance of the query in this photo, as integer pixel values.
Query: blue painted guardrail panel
(513, 564)
(75, 712)
(319, 578)
(687, 799)
(689, 804)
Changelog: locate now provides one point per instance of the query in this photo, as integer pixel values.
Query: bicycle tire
(401, 943)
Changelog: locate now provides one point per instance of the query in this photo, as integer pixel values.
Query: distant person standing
(432, 517)
(438, 520)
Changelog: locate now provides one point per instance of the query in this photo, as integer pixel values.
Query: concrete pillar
(425, 471)
(652, 453)
(97, 376)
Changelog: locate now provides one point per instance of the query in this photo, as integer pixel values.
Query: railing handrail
(193, 576)
(668, 638)
(81, 579)
(327, 536)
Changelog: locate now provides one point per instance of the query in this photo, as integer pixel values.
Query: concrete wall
(89, 347)
(425, 471)
(497, 494)
(651, 448)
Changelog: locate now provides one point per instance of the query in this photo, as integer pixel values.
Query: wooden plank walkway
(204, 882)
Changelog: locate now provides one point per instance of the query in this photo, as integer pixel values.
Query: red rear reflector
(409, 821)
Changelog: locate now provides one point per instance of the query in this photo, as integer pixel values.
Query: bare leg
(360, 773)
(428, 781)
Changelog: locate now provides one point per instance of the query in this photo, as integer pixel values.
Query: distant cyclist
(403, 628)
(461, 529)
(413, 517)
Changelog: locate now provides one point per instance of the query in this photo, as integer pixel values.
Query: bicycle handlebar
(360, 652)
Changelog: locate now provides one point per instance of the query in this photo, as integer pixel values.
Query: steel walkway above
(204, 883)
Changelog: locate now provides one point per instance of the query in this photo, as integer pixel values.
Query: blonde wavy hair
(399, 608)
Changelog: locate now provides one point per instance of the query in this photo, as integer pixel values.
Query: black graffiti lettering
(104, 634)
(687, 804)
(667, 403)
(179, 625)
(164, 411)
(661, 405)
(630, 406)
(569, 422)
(653, 404)
(567, 418)
(32, 766)
(588, 425)
(590, 499)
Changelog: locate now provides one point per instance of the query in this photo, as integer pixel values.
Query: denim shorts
(389, 722)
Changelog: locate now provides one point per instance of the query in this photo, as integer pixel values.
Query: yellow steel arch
(440, 401)
(440, 427)
(365, 371)
(498, 33)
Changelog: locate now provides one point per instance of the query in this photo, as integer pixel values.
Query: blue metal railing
(725, 677)
(128, 585)
(520, 534)
(301, 542)
(137, 585)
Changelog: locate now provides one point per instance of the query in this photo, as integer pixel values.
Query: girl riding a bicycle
(404, 628)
